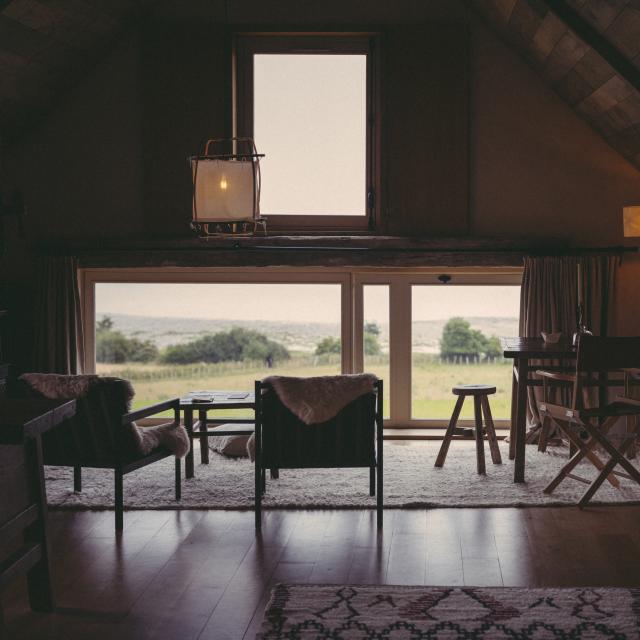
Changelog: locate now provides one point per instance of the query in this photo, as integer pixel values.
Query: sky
(297, 302)
(310, 122)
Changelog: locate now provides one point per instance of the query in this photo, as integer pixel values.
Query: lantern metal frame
(232, 227)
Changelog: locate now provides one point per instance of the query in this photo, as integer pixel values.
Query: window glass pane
(455, 331)
(310, 121)
(169, 338)
(376, 337)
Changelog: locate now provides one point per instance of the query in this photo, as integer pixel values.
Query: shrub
(114, 347)
(370, 339)
(234, 345)
(328, 345)
(460, 341)
(371, 344)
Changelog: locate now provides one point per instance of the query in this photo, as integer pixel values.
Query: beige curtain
(549, 299)
(59, 339)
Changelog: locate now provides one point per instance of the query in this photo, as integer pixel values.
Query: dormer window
(308, 103)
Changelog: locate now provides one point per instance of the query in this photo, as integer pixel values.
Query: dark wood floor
(204, 574)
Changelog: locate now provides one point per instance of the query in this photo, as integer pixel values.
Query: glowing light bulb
(223, 183)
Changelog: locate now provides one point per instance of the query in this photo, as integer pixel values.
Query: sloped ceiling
(46, 46)
(588, 51)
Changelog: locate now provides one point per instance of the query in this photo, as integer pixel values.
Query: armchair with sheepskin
(103, 434)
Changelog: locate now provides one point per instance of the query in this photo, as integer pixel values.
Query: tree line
(459, 343)
(237, 344)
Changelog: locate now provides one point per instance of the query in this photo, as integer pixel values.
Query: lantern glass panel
(224, 190)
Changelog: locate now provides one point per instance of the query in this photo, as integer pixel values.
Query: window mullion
(400, 350)
(358, 324)
(346, 324)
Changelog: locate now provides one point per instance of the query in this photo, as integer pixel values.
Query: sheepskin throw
(55, 386)
(318, 399)
(171, 436)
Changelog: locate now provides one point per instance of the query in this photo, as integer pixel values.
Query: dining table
(523, 351)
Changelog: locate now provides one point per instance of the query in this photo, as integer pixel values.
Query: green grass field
(431, 385)
(431, 380)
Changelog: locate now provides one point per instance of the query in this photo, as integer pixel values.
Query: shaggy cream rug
(343, 612)
(410, 480)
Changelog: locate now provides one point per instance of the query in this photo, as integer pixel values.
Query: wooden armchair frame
(370, 456)
(64, 447)
(123, 469)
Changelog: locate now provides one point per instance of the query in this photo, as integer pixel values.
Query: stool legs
(444, 448)
(481, 406)
(491, 431)
(477, 409)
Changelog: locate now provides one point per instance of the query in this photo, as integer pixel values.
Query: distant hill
(165, 331)
(299, 336)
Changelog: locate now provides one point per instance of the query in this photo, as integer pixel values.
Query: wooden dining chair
(554, 383)
(596, 358)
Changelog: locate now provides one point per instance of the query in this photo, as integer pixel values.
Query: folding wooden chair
(564, 383)
(597, 357)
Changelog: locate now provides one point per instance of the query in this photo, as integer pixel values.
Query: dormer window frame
(245, 46)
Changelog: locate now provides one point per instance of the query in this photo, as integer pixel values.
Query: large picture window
(308, 101)
(171, 331)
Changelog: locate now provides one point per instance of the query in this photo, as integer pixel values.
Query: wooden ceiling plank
(574, 88)
(525, 21)
(625, 32)
(564, 57)
(621, 119)
(606, 97)
(594, 69)
(588, 34)
(547, 36)
(631, 108)
(600, 13)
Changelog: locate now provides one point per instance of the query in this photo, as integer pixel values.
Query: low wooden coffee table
(204, 402)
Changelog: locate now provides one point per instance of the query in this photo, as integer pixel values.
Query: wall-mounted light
(226, 188)
(631, 221)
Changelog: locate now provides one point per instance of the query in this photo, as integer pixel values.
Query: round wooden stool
(480, 393)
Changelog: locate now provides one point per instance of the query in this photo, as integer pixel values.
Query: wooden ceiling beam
(624, 67)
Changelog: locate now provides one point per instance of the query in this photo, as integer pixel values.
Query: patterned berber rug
(341, 612)
(410, 481)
